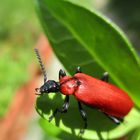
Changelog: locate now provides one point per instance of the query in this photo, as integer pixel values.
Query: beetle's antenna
(41, 65)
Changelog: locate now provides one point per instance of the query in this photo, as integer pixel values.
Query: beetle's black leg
(115, 119)
(105, 77)
(64, 108)
(61, 73)
(84, 117)
(78, 69)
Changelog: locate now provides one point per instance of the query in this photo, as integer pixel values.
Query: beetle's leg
(105, 77)
(114, 119)
(61, 73)
(84, 117)
(64, 108)
(78, 69)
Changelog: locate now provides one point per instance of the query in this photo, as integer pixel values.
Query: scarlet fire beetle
(99, 94)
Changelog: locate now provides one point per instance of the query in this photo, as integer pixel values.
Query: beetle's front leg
(84, 117)
(64, 108)
(105, 77)
(61, 73)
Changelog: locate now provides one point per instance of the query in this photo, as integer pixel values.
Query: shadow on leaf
(97, 121)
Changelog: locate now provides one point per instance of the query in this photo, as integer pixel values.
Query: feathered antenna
(41, 65)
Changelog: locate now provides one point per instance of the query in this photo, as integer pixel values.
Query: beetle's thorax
(68, 85)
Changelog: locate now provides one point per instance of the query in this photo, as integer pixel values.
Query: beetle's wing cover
(104, 96)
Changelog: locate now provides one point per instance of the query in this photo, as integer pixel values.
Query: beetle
(96, 93)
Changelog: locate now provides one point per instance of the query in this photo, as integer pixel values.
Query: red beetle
(107, 98)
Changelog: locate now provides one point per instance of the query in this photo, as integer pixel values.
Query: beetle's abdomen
(104, 96)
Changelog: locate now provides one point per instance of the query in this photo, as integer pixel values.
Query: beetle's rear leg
(114, 119)
(105, 77)
(64, 108)
(78, 69)
(84, 117)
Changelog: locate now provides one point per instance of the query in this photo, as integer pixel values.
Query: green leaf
(82, 37)
(100, 44)
(66, 47)
(55, 132)
(134, 135)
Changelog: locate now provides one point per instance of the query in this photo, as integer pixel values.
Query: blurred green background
(20, 29)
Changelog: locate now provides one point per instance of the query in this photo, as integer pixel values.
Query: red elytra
(99, 94)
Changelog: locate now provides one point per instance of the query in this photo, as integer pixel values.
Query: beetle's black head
(49, 86)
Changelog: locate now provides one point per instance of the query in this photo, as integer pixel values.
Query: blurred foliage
(15, 14)
(126, 14)
(18, 34)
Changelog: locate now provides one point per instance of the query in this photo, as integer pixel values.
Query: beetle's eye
(37, 91)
